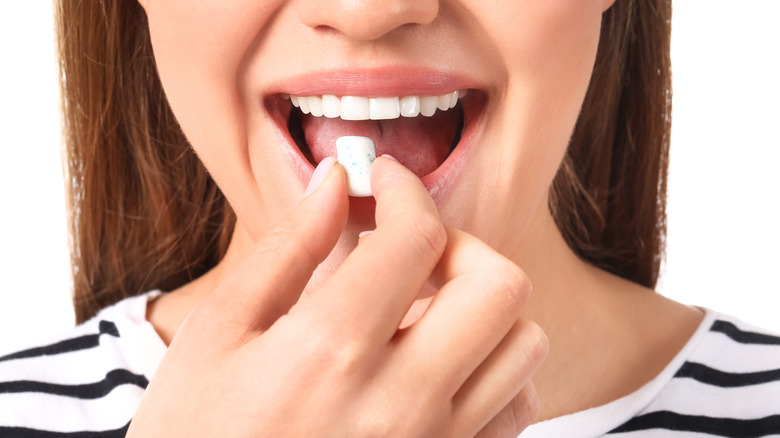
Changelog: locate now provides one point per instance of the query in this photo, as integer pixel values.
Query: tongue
(419, 143)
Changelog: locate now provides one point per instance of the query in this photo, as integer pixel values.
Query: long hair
(145, 214)
(609, 196)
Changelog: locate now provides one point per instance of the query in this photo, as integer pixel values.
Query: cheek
(524, 27)
(551, 65)
(548, 49)
(199, 49)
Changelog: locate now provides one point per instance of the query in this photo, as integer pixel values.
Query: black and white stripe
(717, 426)
(704, 374)
(92, 390)
(729, 388)
(725, 382)
(68, 345)
(88, 384)
(744, 336)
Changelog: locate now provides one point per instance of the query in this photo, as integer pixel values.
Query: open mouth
(422, 132)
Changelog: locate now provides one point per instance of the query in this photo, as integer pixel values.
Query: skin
(607, 336)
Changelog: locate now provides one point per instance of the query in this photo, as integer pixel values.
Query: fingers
(398, 192)
(520, 413)
(376, 285)
(481, 299)
(498, 391)
(271, 279)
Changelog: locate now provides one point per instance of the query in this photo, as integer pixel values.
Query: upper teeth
(375, 108)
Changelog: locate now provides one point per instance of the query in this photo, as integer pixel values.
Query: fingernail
(319, 175)
(364, 233)
(390, 157)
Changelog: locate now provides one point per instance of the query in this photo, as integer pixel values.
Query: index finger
(378, 282)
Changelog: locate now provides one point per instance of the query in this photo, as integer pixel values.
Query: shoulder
(92, 376)
(728, 382)
(725, 381)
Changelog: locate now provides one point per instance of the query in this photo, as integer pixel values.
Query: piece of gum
(355, 155)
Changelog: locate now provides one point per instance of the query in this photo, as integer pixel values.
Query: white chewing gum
(355, 155)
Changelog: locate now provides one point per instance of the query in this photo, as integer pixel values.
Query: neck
(608, 336)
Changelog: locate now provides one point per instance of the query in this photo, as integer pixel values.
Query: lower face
(233, 70)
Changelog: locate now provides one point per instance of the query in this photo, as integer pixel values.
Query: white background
(724, 223)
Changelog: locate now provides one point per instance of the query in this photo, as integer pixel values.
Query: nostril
(323, 29)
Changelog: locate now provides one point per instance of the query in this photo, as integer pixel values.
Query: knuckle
(340, 352)
(348, 358)
(513, 283)
(541, 346)
(525, 407)
(428, 231)
(535, 344)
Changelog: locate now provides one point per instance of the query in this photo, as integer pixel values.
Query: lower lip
(437, 182)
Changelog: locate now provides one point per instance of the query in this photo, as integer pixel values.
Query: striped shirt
(724, 382)
(90, 380)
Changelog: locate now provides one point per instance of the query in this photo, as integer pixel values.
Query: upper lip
(375, 82)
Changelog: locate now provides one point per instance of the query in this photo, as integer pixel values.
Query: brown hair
(609, 197)
(145, 214)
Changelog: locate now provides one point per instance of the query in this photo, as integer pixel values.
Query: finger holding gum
(355, 155)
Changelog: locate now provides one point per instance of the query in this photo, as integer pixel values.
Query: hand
(249, 361)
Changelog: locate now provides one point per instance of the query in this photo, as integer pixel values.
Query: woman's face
(228, 67)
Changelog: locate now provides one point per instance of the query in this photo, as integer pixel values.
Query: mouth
(429, 133)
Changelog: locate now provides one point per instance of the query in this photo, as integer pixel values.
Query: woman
(549, 170)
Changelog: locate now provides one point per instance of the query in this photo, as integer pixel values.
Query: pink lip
(380, 82)
(377, 82)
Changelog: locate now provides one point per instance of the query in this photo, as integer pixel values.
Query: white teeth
(375, 108)
(410, 106)
(315, 105)
(384, 108)
(331, 106)
(453, 99)
(428, 105)
(304, 105)
(447, 101)
(355, 108)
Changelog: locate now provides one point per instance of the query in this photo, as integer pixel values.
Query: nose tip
(366, 20)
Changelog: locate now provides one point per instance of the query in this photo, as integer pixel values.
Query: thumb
(270, 280)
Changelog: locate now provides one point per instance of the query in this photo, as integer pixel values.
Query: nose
(366, 19)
